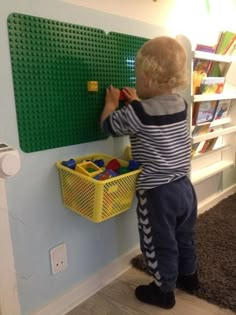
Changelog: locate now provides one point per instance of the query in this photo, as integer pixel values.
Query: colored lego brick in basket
(88, 168)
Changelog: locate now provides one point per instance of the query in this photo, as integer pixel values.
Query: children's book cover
(202, 65)
(212, 85)
(197, 79)
(194, 148)
(222, 109)
(200, 129)
(204, 112)
(224, 40)
(208, 145)
(230, 50)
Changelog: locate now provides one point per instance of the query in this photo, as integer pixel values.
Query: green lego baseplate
(52, 62)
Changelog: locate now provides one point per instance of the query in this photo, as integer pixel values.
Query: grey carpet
(216, 249)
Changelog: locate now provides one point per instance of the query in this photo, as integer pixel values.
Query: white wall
(37, 216)
(195, 19)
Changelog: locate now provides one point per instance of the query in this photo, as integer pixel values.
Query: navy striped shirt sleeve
(123, 121)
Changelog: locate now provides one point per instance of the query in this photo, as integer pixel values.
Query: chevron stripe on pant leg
(146, 239)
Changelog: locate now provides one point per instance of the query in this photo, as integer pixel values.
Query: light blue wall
(38, 218)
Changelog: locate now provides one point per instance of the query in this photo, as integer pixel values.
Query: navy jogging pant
(166, 220)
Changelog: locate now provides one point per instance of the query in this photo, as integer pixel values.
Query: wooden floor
(118, 298)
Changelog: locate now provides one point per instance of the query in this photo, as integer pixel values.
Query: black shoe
(188, 283)
(151, 294)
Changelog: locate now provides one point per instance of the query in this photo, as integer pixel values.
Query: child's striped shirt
(159, 137)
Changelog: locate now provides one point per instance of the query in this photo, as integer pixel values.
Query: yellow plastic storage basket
(94, 199)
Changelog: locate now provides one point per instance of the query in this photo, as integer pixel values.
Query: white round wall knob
(9, 163)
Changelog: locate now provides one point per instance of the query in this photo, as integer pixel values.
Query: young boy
(156, 120)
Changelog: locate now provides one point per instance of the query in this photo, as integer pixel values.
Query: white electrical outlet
(58, 258)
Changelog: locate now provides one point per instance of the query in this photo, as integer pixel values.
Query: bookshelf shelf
(214, 134)
(203, 155)
(204, 173)
(214, 57)
(221, 122)
(213, 97)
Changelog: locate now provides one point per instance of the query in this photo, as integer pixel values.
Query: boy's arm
(112, 100)
(119, 122)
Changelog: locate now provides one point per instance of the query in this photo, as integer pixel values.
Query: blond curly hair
(163, 61)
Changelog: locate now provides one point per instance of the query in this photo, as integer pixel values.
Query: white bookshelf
(222, 157)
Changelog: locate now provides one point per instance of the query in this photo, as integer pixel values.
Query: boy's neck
(160, 92)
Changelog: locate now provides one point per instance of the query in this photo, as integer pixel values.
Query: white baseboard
(83, 291)
(214, 199)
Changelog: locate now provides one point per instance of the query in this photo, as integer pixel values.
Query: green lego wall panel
(52, 62)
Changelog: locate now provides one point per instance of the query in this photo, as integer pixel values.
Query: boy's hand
(111, 102)
(112, 97)
(130, 94)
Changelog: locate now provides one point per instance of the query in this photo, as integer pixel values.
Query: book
(222, 109)
(201, 129)
(230, 49)
(197, 78)
(208, 145)
(202, 65)
(219, 40)
(224, 40)
(194, 148)
(203, 112)
(206, 48)
(212, 85)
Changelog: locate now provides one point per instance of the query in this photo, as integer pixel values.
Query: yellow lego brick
(92, 86)
(88, 168)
